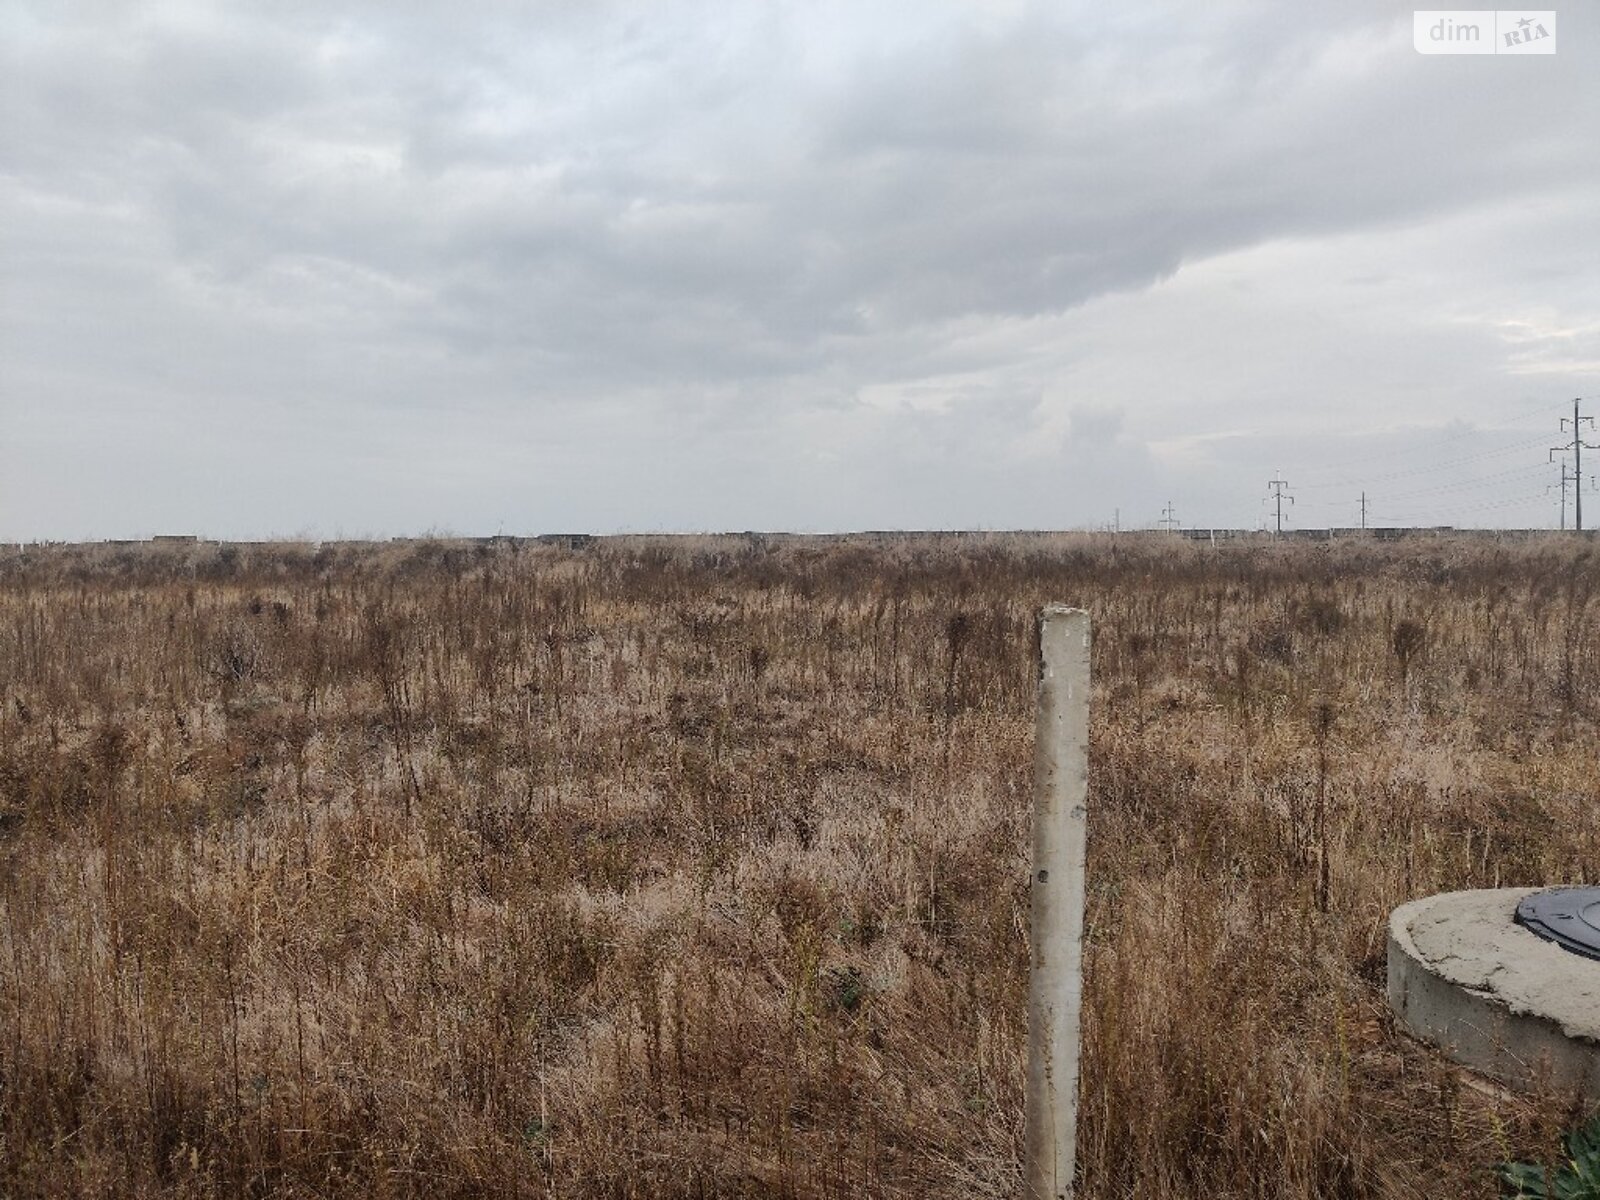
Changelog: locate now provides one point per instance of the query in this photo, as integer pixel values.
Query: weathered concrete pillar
(1060, 820)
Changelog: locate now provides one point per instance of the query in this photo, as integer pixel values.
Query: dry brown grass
(697, 868)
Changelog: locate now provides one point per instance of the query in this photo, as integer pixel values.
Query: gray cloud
(621, 266)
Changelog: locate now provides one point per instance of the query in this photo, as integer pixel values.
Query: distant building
(566, 541)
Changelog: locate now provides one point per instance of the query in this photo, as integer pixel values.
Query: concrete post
(1060, 819)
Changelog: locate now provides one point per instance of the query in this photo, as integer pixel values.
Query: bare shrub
(1407, 642)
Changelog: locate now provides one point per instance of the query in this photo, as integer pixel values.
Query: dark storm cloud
(844, 244)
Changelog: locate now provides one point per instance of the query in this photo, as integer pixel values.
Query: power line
(1530, 412)
(1430, 515)
(1441, 491)
(1472, 484)
(1445, 466)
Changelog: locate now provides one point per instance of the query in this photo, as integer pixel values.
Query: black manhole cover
(1570, 917)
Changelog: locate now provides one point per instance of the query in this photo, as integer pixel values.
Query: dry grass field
(698, 867)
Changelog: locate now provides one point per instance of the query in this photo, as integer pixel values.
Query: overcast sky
(334, 268)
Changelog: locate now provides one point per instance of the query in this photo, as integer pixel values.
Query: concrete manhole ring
(1494, 995)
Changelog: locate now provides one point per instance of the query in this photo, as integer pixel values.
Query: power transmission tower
(1169, 518)
(1363, 512)
(1565, 479)
(1279, 495)
(1577, 446)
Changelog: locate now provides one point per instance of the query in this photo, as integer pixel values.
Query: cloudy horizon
(361, 269)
